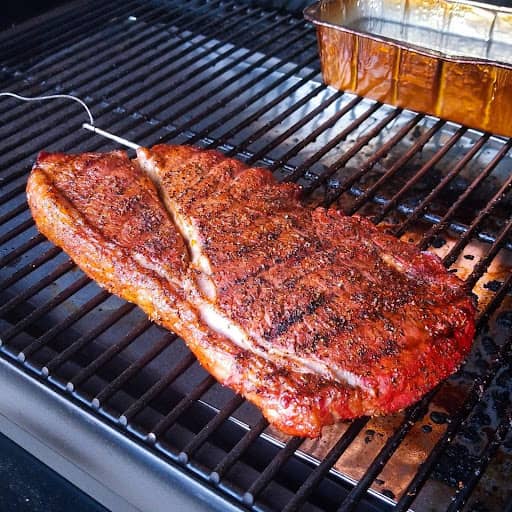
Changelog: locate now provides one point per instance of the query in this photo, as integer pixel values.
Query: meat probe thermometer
(87, 126)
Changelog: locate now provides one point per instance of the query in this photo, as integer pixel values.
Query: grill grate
(246, 80)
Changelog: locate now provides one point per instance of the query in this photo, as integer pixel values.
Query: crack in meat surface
(311, 315)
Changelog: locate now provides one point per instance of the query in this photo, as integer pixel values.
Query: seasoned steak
(312, 315)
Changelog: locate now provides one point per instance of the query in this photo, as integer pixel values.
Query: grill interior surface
(243, 79)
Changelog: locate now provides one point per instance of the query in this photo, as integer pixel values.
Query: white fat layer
(218, 321)
(186, 228)
(222, 324)
(207, 287)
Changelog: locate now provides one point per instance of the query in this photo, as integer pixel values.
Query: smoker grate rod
(222, 139)
(450, 258)
(325, 466)
(238, 450)
(49, 305)
(29, 267)
(37, 287)
(259, 155)
(165, 341)
(157, 389)
(363, 198)
(86, 308)
(338, 138)
(272, 469)
(456, 169)
(369, 163)
(435, 230)
(84, 340)
(391, 203)
(226, 99)
(87, 79)
(167, 421)
(498, 437)
(86, 372)
(53, 34)
(202, 436)
(457, 420)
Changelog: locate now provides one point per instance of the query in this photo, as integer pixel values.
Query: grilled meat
(312, 315)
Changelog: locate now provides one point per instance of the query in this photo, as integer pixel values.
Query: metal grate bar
(271, 470)
(86, 372)
(314, 134)
(226, 99)
(442, 224)
(208, 66)
(462, 494)
(87, 338)
(335, 140)
(65, 38)
(58, 328)
(268, 106)
(413, 414)
(485, 262)
(10, 194)
(456, 169)
(496, 301)
(303, 167)
(82, 136)
(419, 174)
(84, 49)
(350, 153)
(476, 392)
(37, 287)
(167, 421)
(450, 258)
(16, 230)
(58, 65)
(165, 341)
(18, 251)
(56, 118)
(417, 146)
(190, 74)
(156, 389)
(81, 66)
(219, 122)
(29, 267)
(325, 466)
(53, 136)
(78, 67)
(153, 71)
(38, 32)
(380, 153)
(13, 212)
(238, 450)
(279, 118)
(86, 80)
(9, 39)
(49, 305)
(208, 430)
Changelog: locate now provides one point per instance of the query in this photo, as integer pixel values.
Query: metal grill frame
(49, 396)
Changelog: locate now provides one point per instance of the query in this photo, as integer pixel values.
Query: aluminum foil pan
(449, 59)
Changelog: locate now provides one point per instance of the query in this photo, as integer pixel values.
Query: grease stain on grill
(438, 417)
(493, 285)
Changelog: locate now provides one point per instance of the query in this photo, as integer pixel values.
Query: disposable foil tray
(449, 59)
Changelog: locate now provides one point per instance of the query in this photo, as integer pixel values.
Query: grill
(90, 377)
